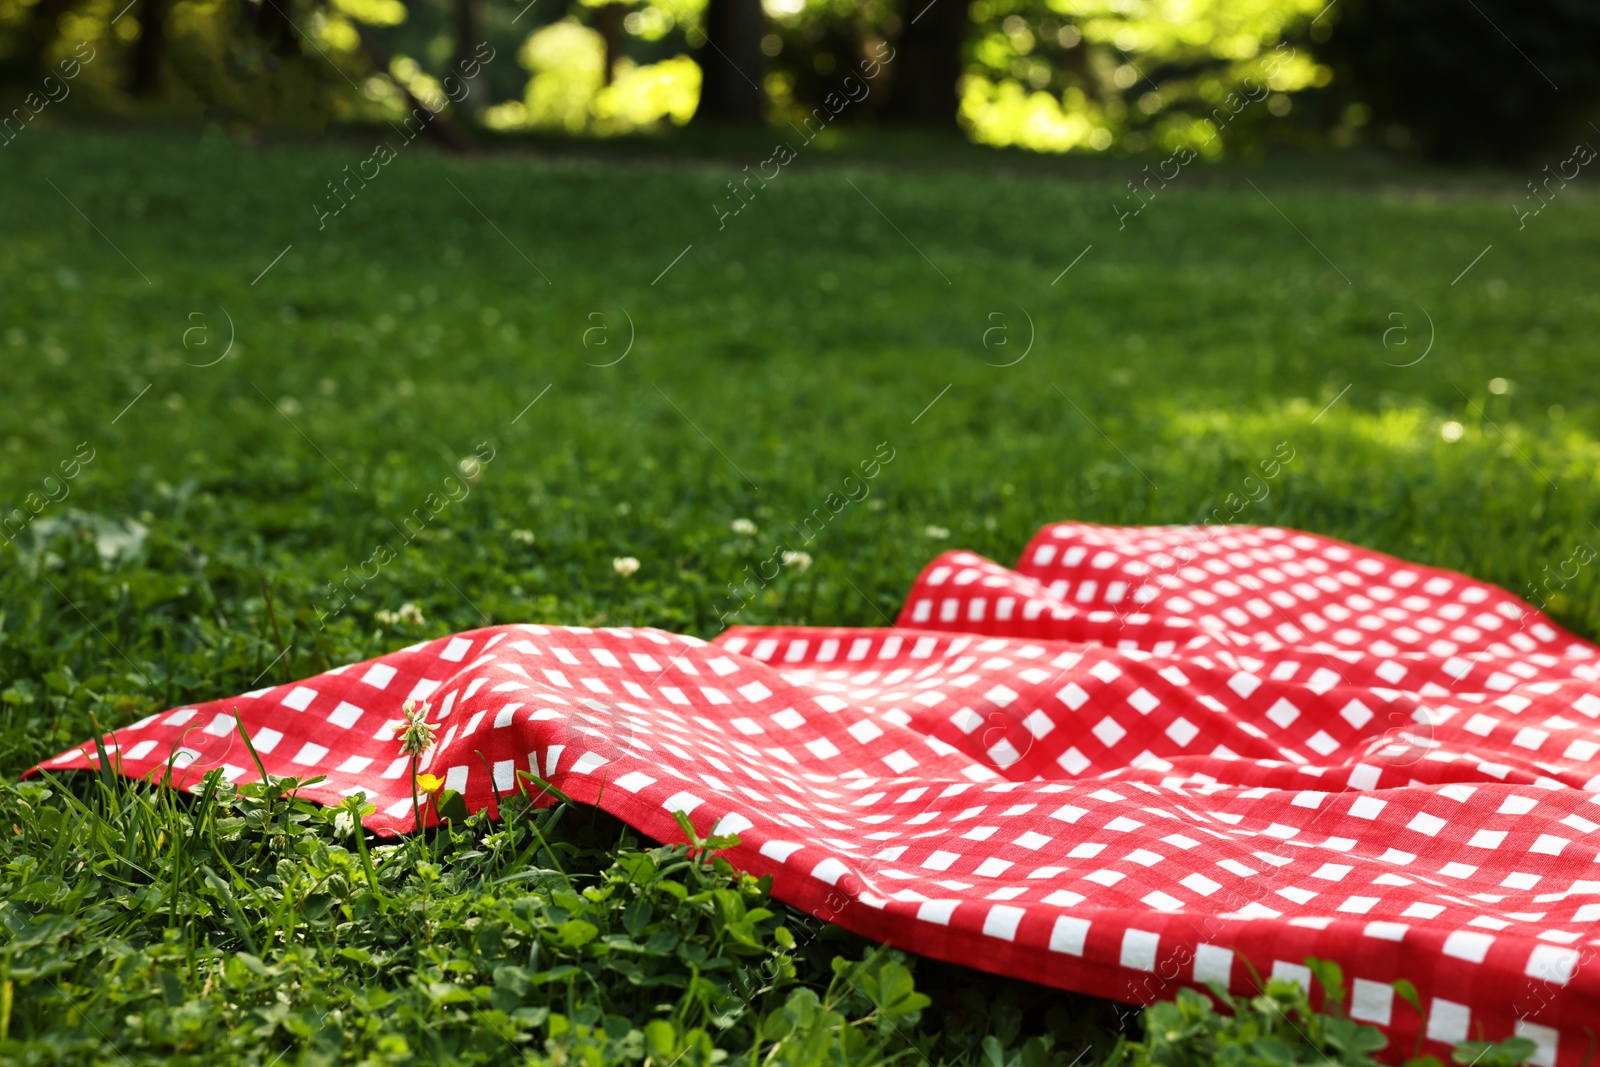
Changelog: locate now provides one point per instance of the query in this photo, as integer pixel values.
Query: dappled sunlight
(1401, 478)
(1410, 432)
(1007, 114)
(1215, 59)
(567, 89)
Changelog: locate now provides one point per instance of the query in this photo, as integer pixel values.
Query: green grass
(772, 358)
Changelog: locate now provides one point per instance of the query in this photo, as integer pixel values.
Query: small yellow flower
(428, 783)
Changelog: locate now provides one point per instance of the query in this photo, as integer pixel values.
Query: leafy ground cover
(480, 383)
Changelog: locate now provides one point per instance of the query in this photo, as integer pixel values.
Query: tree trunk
(928, 64)
(608, 23)
(469, 35)
(25, 63)
(144, 69)
(730, 62)
(275, 28)
(426, 118)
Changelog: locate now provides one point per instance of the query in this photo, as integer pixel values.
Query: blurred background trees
(1495, 79)
(1452, 80)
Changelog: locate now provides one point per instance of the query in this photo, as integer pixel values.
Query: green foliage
(1091, 76)
(244, 924)
(1278, 1027)
(1109, 75)
(1508, 1053)
(1275, 1027)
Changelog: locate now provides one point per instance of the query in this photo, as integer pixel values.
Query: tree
(144, 66)
(24, 60)
(928, 64)
(469, 35)
(275, 28)
(731, 62)
(1499, 80)
(608, 24)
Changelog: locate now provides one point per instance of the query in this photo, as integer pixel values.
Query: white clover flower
(938, 533)
(800, 561)
(744, 527)
(522, 536)
(625, 565)
(416, 733)
(1452, 431)
(409, 615)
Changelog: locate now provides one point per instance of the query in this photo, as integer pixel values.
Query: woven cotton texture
(1146, 757)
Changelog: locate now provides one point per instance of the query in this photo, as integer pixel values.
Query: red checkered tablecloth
(1145, 757)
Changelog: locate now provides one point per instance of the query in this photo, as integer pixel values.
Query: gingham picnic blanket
(1143, 758)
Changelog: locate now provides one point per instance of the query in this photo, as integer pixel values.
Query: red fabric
(1145, 757)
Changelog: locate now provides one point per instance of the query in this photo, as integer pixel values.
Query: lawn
(480, 382)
